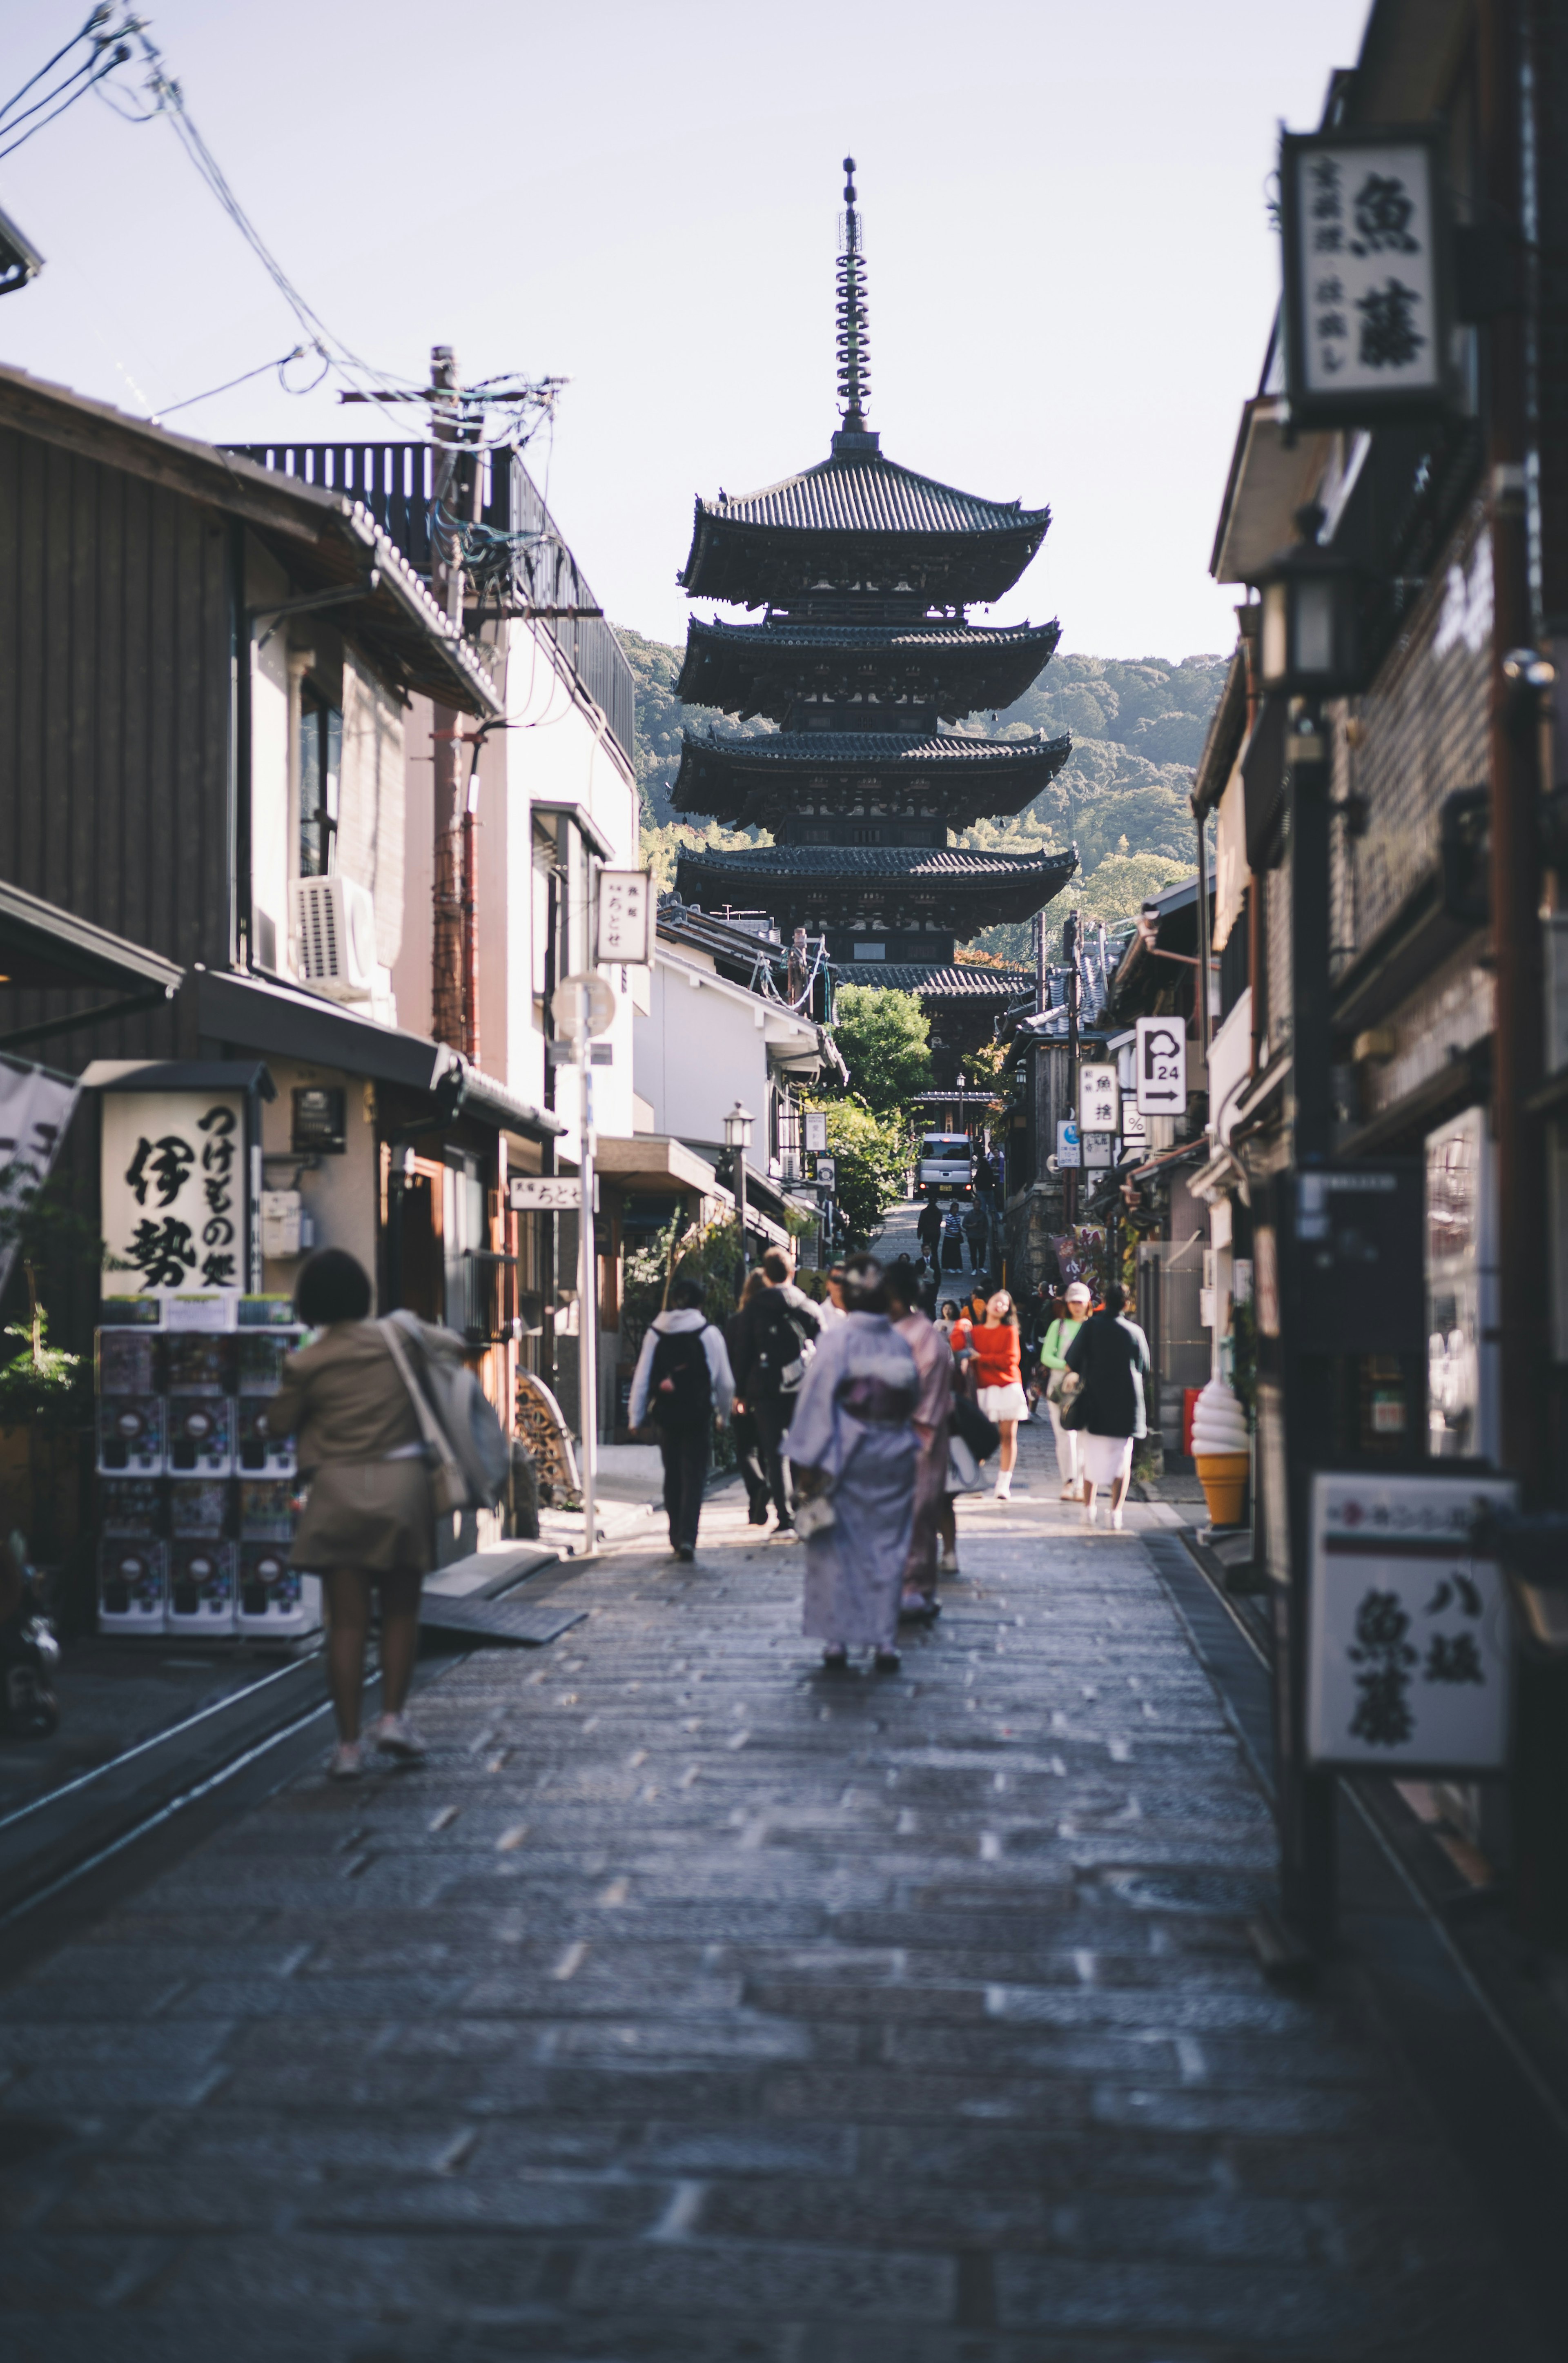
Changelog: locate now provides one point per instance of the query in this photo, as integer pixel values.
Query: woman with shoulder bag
(369, 1516)
(1068, 1314)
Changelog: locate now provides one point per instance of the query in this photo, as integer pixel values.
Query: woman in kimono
(852, 1445)
(933, 1413)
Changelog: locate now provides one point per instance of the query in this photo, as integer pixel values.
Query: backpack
(680, 1357)
(457, 1403)
(781, 1358)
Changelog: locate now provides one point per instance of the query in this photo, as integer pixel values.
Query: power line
(118, 56)
(297, 353)
(98, 17)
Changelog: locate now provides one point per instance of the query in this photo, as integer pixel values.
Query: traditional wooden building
(865, 571)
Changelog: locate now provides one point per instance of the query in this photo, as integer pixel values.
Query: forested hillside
(1138, 727)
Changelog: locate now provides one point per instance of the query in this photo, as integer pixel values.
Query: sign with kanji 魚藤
(1099, 1099)
(1159, 1066)
(172, 1192)
(1365, 309)
(627, 904)
(1409, 1634)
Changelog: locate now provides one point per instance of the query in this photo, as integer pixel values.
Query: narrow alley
(694, 2005)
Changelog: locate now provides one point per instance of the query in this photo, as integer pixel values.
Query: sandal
(836, 1660)
(887, 1661)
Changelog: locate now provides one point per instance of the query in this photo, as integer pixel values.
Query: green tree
(884, 1040)
(872, 1160)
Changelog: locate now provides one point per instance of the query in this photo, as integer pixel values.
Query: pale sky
(1072, 271)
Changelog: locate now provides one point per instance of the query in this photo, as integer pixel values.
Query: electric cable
(169, 408)
(116, 57)
(97, 17)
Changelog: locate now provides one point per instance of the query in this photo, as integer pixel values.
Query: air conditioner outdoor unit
(337, 938)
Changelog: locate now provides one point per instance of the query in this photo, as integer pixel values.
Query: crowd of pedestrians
(858, 1420)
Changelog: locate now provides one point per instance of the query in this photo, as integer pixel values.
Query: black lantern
(1310, 643)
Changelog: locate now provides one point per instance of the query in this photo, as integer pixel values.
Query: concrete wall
(343, 1194)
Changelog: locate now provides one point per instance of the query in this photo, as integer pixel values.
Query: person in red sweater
(996, 1346)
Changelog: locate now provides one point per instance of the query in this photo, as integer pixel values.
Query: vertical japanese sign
(1366, 316)
(1099, 1099)
(1409, 1639)
(35, 1108)
(172, 1190)
(627, 904)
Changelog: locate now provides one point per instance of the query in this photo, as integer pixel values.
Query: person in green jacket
(1067, 1322)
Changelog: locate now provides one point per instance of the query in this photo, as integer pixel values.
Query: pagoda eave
(748, 669)
(739, 780)
(755, 565)
(961, 892)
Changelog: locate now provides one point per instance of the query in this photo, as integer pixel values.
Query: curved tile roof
(876, 749)
(959, 983)
(940, 865)
(866, 494)
(784, 632)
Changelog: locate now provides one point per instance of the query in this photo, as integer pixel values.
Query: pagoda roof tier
(740, 781)
(858, 519)
(981, 890)
(959, 668)
(959, 983)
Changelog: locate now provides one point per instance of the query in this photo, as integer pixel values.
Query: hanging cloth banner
(1231, 881)
(36, 1109)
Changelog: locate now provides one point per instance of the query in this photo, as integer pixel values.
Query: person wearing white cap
(1070, 1314)
(1110, 1354)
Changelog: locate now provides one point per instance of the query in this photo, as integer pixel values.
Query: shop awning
(44, 948)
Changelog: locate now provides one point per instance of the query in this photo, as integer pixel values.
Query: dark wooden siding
(114, 672)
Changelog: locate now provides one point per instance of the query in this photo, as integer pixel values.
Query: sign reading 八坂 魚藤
(173, 1190)
(1409, 1641)
(1365, 283)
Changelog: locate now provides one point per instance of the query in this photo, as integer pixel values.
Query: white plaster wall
(270, 869)
(411, 966)
(343, 1194)
(697, 1051)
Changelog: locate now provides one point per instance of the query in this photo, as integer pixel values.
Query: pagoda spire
(854, 335)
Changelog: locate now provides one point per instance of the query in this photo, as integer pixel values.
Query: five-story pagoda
(864, 571)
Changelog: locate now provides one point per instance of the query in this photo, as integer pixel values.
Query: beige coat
(344, 1401)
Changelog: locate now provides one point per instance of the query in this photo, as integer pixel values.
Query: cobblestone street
(693, 2006)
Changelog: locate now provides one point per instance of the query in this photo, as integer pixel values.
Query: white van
(947, 1165)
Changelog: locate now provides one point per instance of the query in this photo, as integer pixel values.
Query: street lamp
(1310, 643)
(19, 258)
(738, 1139)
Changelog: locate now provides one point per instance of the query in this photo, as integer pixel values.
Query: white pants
(1066, 1446)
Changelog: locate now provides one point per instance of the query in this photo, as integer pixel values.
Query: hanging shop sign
(815, 1131)
(627, 906)
(172, 1192)
(1159, 1066)
(827, 1173)
(1099, 1099)
(1366, 297)
(548, 1193)
(1409, 1641)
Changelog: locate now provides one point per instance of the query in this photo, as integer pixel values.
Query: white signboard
(172, 1189)
(1134, 1130)
(827, 1173)
(35, 1110)
(815, 1131)
(1364, 330)
(1067, 1147)
(1097, 1146)
(1099, 1099)
(1159, 1066)
(1409, 1635)
(546, 1193)
(626, 908)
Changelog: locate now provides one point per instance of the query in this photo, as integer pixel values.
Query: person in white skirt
(999, 1387)
(1111, 1356)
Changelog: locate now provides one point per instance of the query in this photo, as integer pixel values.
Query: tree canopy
(884, 1040)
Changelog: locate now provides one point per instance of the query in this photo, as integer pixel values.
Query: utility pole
(454, 996)
(1070, 954)
(587, 1278)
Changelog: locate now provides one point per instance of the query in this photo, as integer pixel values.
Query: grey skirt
(374, 1515)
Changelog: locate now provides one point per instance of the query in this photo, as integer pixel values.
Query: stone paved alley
(692, 2006)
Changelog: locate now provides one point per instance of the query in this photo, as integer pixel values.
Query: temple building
(865, 571)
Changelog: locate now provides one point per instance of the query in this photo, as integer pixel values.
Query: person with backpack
(748, 1436)
(774, 1336)
(682, 1384)
(369, 1519)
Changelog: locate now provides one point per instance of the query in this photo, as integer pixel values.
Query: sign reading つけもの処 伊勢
(1366, 313)
(1410, 1649)
(172, 1188)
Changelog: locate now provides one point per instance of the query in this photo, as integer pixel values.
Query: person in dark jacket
(772, 1335)
(929, 1229)
(1111, 1356)
(952, 1241)
(680, 1384)
(747, 1435)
